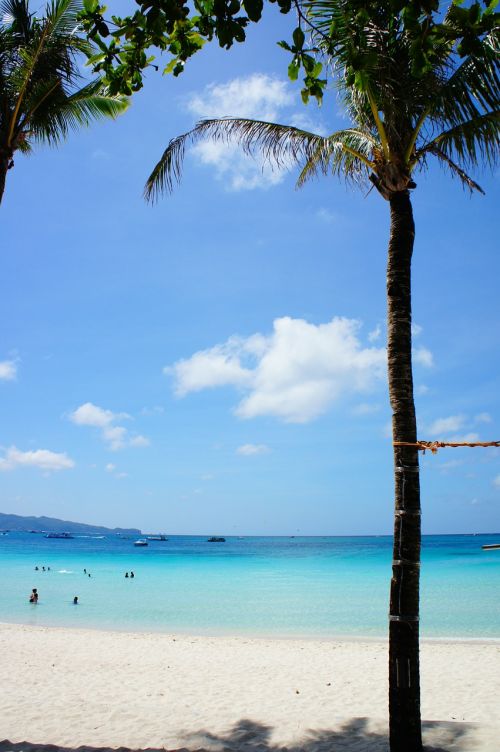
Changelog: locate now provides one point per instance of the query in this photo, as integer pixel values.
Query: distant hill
(53, 525)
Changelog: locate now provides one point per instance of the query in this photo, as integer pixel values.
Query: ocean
(321, 587)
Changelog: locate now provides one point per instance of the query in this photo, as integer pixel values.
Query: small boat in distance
(63, 536)
(157, 537)
(141, 542)
(216, 539)
(490, 546)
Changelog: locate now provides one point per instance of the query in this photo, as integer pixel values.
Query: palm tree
(40, 100)
(414, 86)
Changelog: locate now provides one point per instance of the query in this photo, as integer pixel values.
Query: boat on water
(490, 546)
(216, 539)
(63, 536)
(141, 542)
(157, 538)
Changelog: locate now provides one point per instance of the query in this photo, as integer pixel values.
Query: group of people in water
(34, 593)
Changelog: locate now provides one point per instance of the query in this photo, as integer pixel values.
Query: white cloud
(92, 415)
(423, 357)
(43, 459)
(496, 481)
(110, 467)
(416, 329)
(249, 450)
(422, 389)
(116, 437)
(328, 216)
(256, 96)
(139, 441)
(295, 373)
(259, 97)
(8, 370)
(447, 425)
(374, 335)
(238, 171)
(218, 366)
(483, 418)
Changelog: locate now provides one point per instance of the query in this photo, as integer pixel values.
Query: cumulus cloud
(257, 96)
(423, 357)
(249, 450)
(447, 425)
(116, 436)
(295, 373)
(8, 370)
(43, 459)
(92, 415)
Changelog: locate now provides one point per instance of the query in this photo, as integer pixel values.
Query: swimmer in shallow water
(75, 600)
(34, 596)
(132, 574)
(126, 574)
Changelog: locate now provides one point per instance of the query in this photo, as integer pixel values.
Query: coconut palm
(41, 91)
(414, 86)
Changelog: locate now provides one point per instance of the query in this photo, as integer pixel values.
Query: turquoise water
(308, 587)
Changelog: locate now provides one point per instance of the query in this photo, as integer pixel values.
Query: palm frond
(348, 153)
(456, 170)
(58, 113)
(472, 89)
(470, 142)
(278, 145)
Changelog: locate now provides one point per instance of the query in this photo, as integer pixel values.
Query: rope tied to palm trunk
(433, 446)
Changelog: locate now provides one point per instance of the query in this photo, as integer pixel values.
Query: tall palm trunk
(404, 673)
(4, 167)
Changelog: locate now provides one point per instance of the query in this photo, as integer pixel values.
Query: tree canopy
(129, 45)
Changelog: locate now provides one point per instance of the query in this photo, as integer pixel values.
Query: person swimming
(132, 574)
(75, 600)
(126, 574)
(34, 596)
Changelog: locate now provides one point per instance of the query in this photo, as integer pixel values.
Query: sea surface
(269, 586)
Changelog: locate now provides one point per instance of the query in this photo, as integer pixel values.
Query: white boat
(157, 538)
(141, 542)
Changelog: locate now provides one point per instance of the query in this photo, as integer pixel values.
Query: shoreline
(73, 687)
(341, 638)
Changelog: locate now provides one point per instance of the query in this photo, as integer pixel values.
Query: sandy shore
(106, 689)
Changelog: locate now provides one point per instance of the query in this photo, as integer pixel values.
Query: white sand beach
(73, 688)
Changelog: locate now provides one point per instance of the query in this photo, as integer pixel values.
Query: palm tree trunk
(4, 167)
(404, 673)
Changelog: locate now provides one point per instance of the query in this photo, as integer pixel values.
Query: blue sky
(215, 363)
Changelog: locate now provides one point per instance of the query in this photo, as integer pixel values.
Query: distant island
(53, 525)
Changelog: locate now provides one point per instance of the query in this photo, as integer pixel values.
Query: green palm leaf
(41, 91)
(279, 145)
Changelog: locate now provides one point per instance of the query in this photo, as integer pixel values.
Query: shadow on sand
(249, 736)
